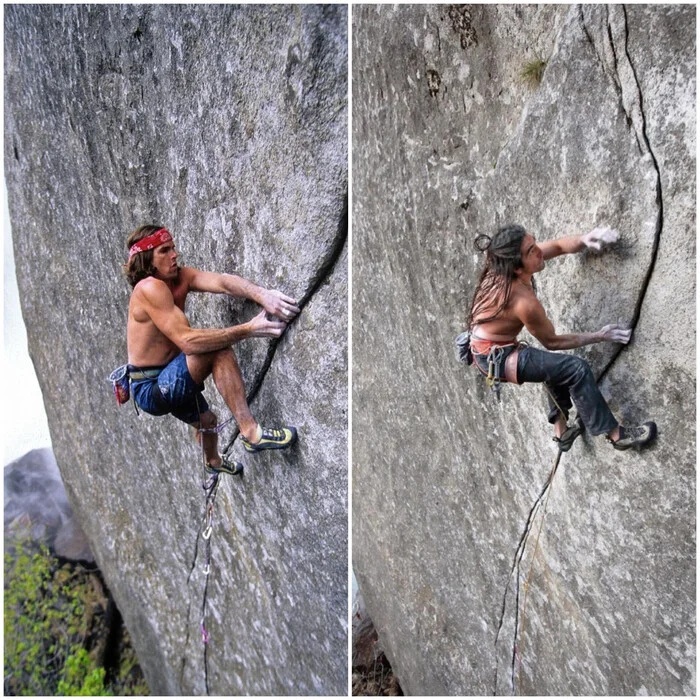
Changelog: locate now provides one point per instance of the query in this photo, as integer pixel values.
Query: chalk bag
(120, 384)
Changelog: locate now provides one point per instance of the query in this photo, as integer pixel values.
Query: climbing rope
(542, 498)
(210, 485)
(521, 634)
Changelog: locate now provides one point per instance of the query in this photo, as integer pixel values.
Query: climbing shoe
(226, 467)
(569, 436)
(636, 436)
(272, 439)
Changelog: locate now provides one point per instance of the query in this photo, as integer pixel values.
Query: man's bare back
(507, 325)
(524, 308)
(506, 293)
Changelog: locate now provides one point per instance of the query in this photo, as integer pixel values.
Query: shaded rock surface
(227, 124)
(450, 142)
(371, 670)
(36, 507)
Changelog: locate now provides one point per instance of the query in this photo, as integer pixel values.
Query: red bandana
(162, 235)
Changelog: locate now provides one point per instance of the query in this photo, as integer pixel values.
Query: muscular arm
(595, 240)
(532, 314)
(157, 301)
(562, 246)
(216, 283)
(272, 301)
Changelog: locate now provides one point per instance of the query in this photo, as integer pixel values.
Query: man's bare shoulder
(523, 301)
(151, 290)
(150, 284)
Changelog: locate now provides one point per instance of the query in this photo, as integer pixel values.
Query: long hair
(502, 259)
(141, 265)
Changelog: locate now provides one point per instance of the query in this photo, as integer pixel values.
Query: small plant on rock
(533, 71)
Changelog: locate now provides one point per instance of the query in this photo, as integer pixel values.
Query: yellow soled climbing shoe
(227, 467)
(636, 436)
(272, 439)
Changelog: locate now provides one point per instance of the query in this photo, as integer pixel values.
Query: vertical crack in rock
(189, 607)
(636, 121)
(324, 271)
(517, 559)
(582, 21)
(637, 105)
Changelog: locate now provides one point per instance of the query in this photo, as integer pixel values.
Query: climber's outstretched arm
(156, 301)
(529, 310)
(271, 300)
(593, 240)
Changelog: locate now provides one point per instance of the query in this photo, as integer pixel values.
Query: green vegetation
(53, 618)
(533, 71)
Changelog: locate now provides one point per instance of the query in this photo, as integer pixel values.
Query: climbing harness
(121, 379)
(493, 377)
(510, 369)
(468, 344)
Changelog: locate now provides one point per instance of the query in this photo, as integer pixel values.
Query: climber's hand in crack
(599, 237)
(278, 304)
(615, 334)
(262, 327)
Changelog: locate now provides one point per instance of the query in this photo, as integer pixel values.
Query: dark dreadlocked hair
(502, 259)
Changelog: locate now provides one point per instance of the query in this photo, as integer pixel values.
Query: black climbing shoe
(272, 439)
(227, 467)
(636, 436)
(570, 434)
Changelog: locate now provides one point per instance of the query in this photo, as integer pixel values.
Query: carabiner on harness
(493, 378)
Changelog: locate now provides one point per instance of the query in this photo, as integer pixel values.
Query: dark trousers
(568, 378)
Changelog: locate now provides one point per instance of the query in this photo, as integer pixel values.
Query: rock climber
(505, 301)
(169, 360)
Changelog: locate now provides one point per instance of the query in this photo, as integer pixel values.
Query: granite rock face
(228, 125)
(450, 142)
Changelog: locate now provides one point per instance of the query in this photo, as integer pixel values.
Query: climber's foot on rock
(271, 439)
(636, 436)
(226, 467)
(567, 438)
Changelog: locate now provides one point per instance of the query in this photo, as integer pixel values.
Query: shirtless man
(505, 301)
(169, 360)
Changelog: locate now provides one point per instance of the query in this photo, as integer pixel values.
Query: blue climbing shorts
(172, 391)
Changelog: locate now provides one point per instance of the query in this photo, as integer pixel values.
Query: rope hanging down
(543, 497)
(210, 485)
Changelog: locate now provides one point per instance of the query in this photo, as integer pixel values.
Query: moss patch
(56, 629)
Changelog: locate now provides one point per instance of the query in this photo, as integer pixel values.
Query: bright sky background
(25, 426)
